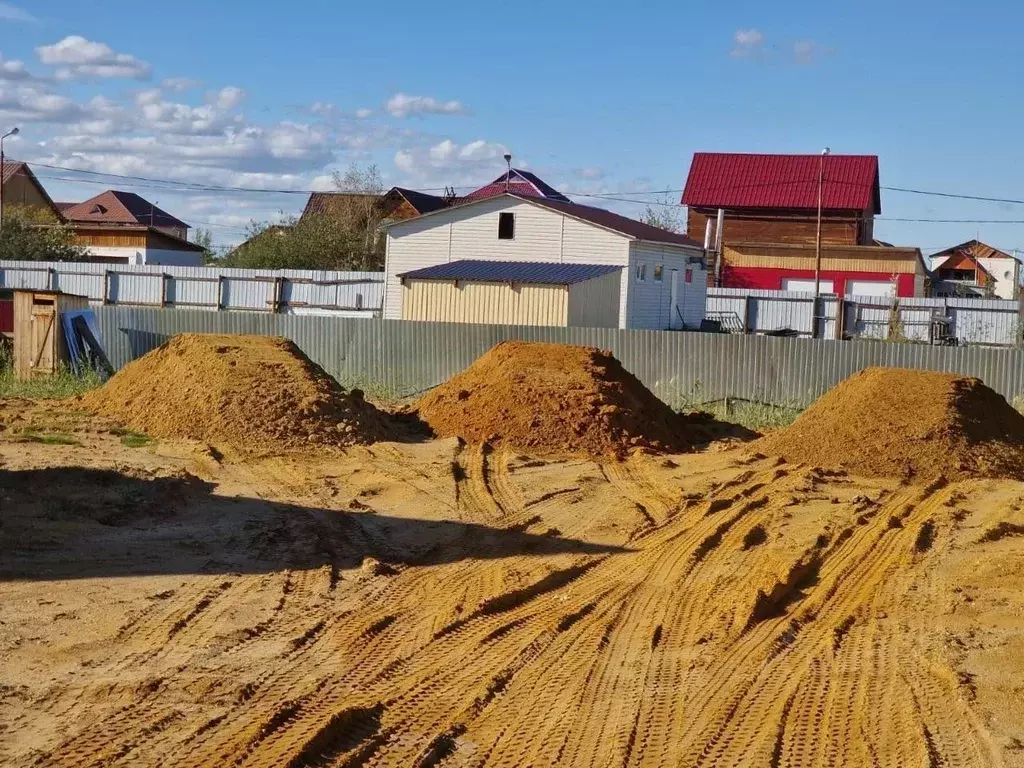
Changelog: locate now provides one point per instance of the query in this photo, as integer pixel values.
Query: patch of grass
(47, 438)
(752, 415)
(135, 440)
(64, 383)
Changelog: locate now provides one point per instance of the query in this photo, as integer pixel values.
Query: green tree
(343, 235)
(24, 241)
(664, 214)
(204, 239)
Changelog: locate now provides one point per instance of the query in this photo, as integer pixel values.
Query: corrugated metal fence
(289, 291)
(401, 358)
(971, 321)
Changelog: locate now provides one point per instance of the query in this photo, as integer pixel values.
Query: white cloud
(80, 58)
(590, 174)
(228, 98)
(11, 12)
(12, 70)
(180, 84)
(748, 42)
(403, 105)
(809, 52)
(363, 113)
(448, 162)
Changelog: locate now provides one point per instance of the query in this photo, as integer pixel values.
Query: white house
(975, 269)
(663, 283)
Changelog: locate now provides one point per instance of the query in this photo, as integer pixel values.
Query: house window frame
(659, 273)
(640, 272)
(508, 216)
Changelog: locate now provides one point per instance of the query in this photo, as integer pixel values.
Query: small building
(774, 198)
(663, 283)
(514, 293)
(39, 345)
(845, 270)
(140, 244)
(22, 193)
(975, 269)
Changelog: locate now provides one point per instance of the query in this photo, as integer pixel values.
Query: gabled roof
(631, 228)
(116, 207)
(328, 202)
(421, 201)
(520, 182)
(14, 168)
(732, 180)
(972, 248)
(538, 272)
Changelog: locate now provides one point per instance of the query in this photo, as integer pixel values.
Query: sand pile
(898, 422)
(255, 394)
(555, 399)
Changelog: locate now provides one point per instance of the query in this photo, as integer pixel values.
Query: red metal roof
(520, 182)
(729, 180)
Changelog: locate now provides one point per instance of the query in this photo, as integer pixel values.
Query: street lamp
(12, 132)
(817, 241)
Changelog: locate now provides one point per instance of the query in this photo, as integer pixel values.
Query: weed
(746, 413)
(64, 383)
(135, 440)
(47, 438)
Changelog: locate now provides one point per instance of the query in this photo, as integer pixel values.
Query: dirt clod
(894, 422)
(553, 399)
(256, 394)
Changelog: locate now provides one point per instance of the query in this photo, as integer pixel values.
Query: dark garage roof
(547, 273)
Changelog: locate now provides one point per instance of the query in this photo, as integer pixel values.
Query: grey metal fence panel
(300, 291)
(972, 321)
(400, 358)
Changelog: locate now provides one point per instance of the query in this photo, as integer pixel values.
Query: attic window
(97, 208)
(506, 226)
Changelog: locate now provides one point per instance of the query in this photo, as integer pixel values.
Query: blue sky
(597, 97)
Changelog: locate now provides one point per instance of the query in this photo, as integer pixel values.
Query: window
(641, 272)
(506, 226)
(658, 270)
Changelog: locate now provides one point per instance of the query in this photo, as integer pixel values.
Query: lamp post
(12, 132)
(817, 240)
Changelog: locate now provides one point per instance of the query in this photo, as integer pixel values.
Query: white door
(870, 288)
(674, 306)
(805, 285)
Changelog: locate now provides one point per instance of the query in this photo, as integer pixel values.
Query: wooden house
(774, 198)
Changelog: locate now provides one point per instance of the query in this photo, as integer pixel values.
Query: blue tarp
(77, 346)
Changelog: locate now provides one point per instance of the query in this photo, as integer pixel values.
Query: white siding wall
(595, 303)
(143, 255)
(650, 300)
(472, 233)
(1005, 287)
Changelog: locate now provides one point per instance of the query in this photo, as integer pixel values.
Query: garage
(513, 293)
(805, 285)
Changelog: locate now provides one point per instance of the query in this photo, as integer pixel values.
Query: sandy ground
(433, 605)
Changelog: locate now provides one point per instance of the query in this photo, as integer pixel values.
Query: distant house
(124, 228)
(22, 191)
(396, 204)
(128, 208)
(774, 198)
(517, 182)
(658, 280)
(975, 269)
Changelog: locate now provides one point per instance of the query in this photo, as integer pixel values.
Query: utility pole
(817, 241)
(12, 132)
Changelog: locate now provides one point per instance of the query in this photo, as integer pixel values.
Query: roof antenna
(508, 175)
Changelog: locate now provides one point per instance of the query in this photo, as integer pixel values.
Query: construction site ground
(429, 604)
